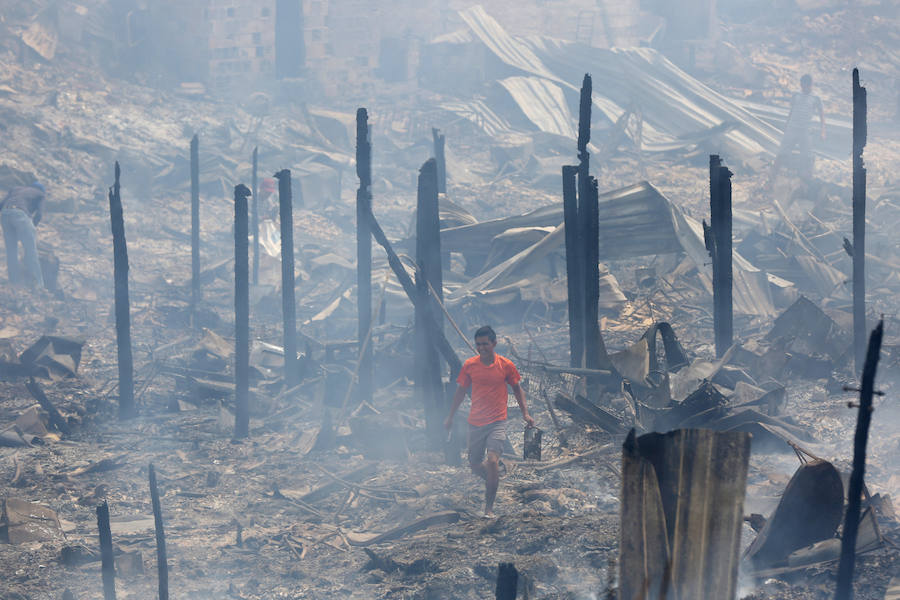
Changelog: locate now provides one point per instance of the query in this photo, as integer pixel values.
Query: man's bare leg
(491, 468)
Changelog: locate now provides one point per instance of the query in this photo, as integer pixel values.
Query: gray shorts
(490, 437)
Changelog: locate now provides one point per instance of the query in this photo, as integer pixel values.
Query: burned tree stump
(860, 132)
(861, 438)
(195, 229)
(241, 315)
(162, 565)
(364, 255)
(122, 304)
(288, 305)
(108, 568)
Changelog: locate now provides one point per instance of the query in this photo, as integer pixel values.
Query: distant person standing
(487, 376)
(804, 106)
(20, 212)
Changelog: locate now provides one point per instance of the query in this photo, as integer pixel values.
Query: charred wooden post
(162, 565)
(288, 305)
(254, 220)
(718, 238)
(428, 258)
(860, 133)
(861, 438)
(574, 269)
(364, 254)
(241, 315)
(108, 567)
(507, 582)
(123, 311)
(594, 350)
(441, 159)
(195, 229)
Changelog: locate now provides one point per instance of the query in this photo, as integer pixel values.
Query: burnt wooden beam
(441, 159)
(107, 561)
(122, 304)
(860, 133)
(409, 288)
(594, 350)
(241, 314)
(847, 563)
(254, 214)
(364, 255)
(162, 565)
(195, 228)
(718, 238)
(56, 419)
(574, 269)
(288, 303)
(507, 582)
(427, 313)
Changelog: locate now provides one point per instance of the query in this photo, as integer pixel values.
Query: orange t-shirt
(488, 383)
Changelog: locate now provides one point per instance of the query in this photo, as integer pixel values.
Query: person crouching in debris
(487, 376)
(804, 106)
(20, 212)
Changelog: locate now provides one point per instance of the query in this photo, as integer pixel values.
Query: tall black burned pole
(241, 314)
(195, 228)
(122, 304)
(254, 218)
(859, 221)
(589, 220)
(574, 268)
(428, 313)
(718, 239)
(364, 254)
(857, 475)
(288, 306)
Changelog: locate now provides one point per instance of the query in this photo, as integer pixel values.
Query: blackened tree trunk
(574, 268)
(860, 132)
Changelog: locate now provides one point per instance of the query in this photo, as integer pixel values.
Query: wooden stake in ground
(195, 229)
(857, 475)
(241, 315)
(584, 213)
(108, 568)
(288, 306)
(123, 311)
(507, 582)
(428, 259)
(162, 565)
(574, 269)
(254, 219)
(718, 238)
(364, 255)
(441, 159)
(860, 128)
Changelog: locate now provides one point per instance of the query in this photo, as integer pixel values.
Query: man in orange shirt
(487, 375)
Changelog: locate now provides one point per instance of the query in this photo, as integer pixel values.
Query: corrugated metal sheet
(543, 102)
(678, 110)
